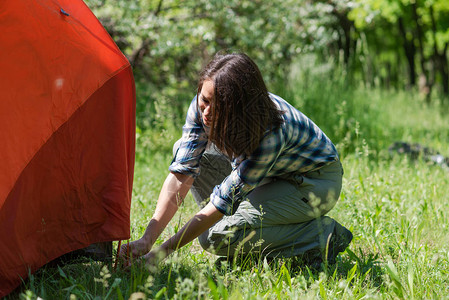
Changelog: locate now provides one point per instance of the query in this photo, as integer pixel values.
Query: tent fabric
(67, 127)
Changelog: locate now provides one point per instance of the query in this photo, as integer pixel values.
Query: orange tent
(67, 132)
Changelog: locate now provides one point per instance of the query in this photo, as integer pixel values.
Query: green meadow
(396, 207)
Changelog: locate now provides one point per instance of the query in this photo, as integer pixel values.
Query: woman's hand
(139, 250)
(153, 257)
(203, 220)
(132, 251)
(175, 188)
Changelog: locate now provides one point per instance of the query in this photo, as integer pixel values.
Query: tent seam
(57, 129)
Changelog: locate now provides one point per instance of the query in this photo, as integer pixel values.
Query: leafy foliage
(420, 28)
(388, 43)
(168, 41)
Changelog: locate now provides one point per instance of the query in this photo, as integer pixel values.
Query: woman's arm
(202, 221)
(174, 190)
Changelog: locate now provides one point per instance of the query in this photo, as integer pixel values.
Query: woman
(263, 173)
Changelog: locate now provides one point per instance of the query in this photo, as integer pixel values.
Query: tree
(422, 30)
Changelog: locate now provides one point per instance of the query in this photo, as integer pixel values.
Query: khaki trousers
(281, 217)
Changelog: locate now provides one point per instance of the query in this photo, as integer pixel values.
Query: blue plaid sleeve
(193, 143)
(248, 173)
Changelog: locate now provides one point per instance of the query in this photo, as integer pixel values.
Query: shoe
(314, 258)
(311, 258)
(339, 241)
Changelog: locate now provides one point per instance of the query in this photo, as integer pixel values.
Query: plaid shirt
(297, 146)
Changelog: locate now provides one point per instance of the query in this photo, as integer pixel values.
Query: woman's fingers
(124, 251)
(133, 250)
(123, 258)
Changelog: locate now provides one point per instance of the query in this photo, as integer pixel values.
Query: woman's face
(205, 100)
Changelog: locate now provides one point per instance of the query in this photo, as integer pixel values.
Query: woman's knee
(219, 242)
(203, 239)
(211, 246)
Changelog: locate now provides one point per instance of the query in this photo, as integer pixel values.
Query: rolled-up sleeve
(192, 144)
(227, 196)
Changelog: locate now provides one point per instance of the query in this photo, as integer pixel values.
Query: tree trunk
(345, 41)
(387, 79)
(440, 58)
(139, 53)
(425, 83)
(410, 51)
(444, 71)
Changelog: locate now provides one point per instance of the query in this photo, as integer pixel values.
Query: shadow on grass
(88, 279)
(368, 265)
(365, 266)
(60, 278)
(166, 278)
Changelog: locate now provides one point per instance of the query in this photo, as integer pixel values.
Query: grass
(398, 210)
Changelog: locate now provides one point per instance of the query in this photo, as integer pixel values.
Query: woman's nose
(206, 110)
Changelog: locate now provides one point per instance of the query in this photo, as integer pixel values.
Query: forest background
(393, 44)
(368, 72)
